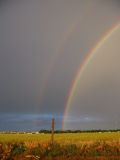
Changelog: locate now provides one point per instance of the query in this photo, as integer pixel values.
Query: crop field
(71, 146)
(60, 137)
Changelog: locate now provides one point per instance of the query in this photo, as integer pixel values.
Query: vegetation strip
(98, 149)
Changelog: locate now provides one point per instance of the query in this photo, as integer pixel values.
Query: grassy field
(72, 138)
(67, 146)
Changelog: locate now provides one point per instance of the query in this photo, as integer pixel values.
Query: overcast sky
(42, 44)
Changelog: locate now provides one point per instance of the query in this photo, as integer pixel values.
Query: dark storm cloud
(32, 77)
(28, 122)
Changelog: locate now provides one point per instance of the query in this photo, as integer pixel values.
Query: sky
(42, 45)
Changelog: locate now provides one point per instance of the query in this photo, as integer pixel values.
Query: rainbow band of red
(83, 66)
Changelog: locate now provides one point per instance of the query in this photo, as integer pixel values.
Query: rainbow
(83, 66)
(53, 60)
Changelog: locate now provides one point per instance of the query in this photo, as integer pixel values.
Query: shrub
(18, 149)
(54, 150)
(37, 150)
(71, 150)
(109, 150)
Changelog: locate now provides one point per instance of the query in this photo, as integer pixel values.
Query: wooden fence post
(53, 127)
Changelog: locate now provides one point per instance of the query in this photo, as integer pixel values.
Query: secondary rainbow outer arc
(53, 60)
(83, 66)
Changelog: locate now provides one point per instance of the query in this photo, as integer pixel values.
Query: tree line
(79, 131)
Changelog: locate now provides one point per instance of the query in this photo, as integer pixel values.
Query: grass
(68, 151)
(64, 138)
(9, 137)
(66, 146)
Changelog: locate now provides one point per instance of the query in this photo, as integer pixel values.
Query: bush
(37, 150)
(18, 149)
(71, 150)
(54, 150)
(109, 150)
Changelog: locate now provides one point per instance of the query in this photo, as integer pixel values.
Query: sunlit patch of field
(64, 138)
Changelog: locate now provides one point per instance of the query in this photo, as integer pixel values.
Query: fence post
(53, 127)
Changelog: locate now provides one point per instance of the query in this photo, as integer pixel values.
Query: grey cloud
(42, 45)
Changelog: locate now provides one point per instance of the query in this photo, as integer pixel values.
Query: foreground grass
(16, 151)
